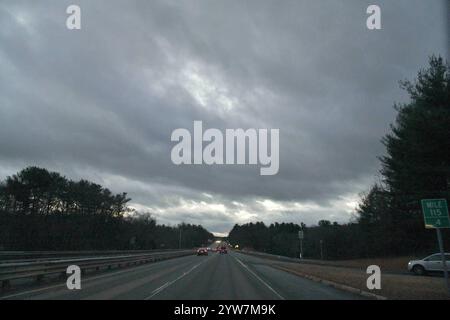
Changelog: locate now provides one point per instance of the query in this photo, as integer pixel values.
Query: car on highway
(432, 263)
(202, 252)
(223, 250)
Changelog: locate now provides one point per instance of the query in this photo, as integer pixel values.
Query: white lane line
(63, 285)
(30, 291)
(169, 283)
(262, 281)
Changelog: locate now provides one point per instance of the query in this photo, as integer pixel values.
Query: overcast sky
(101, 102)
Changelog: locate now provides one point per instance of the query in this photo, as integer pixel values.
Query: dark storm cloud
(102, 102)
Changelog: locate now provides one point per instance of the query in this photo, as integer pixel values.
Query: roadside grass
(393, 286)
(395, 264)
(390, 264)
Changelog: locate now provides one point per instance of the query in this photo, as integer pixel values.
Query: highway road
(232, 276)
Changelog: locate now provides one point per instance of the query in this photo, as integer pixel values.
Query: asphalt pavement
(232, 276)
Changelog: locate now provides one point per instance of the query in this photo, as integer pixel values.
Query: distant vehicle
(223, 250)
(208, 248)
(202, 252)
(432, 263)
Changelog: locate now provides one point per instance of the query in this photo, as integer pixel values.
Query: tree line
(388, 220)
(43, 210)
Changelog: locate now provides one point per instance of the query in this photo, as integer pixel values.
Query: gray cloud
(102, 102)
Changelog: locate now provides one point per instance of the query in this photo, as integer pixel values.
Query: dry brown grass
(397, 264)
(393, 286)
(392, 265)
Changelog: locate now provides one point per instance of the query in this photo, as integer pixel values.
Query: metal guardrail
(326, 263)
(39, 255)
(13, 270)
(294, 260)
(275, 256)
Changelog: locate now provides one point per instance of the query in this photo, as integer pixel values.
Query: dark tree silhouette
(389, 219)
(42, 210)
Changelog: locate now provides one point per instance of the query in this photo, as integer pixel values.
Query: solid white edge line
(262, 281)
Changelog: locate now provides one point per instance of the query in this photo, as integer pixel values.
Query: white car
(431, 263)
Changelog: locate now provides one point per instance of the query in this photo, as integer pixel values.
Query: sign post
(301, 236)
(435, 213)
(321, 249)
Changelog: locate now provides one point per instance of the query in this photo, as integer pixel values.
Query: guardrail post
(6, 284)
(39, 278)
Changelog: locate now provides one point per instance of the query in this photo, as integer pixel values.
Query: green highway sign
(435, 213)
